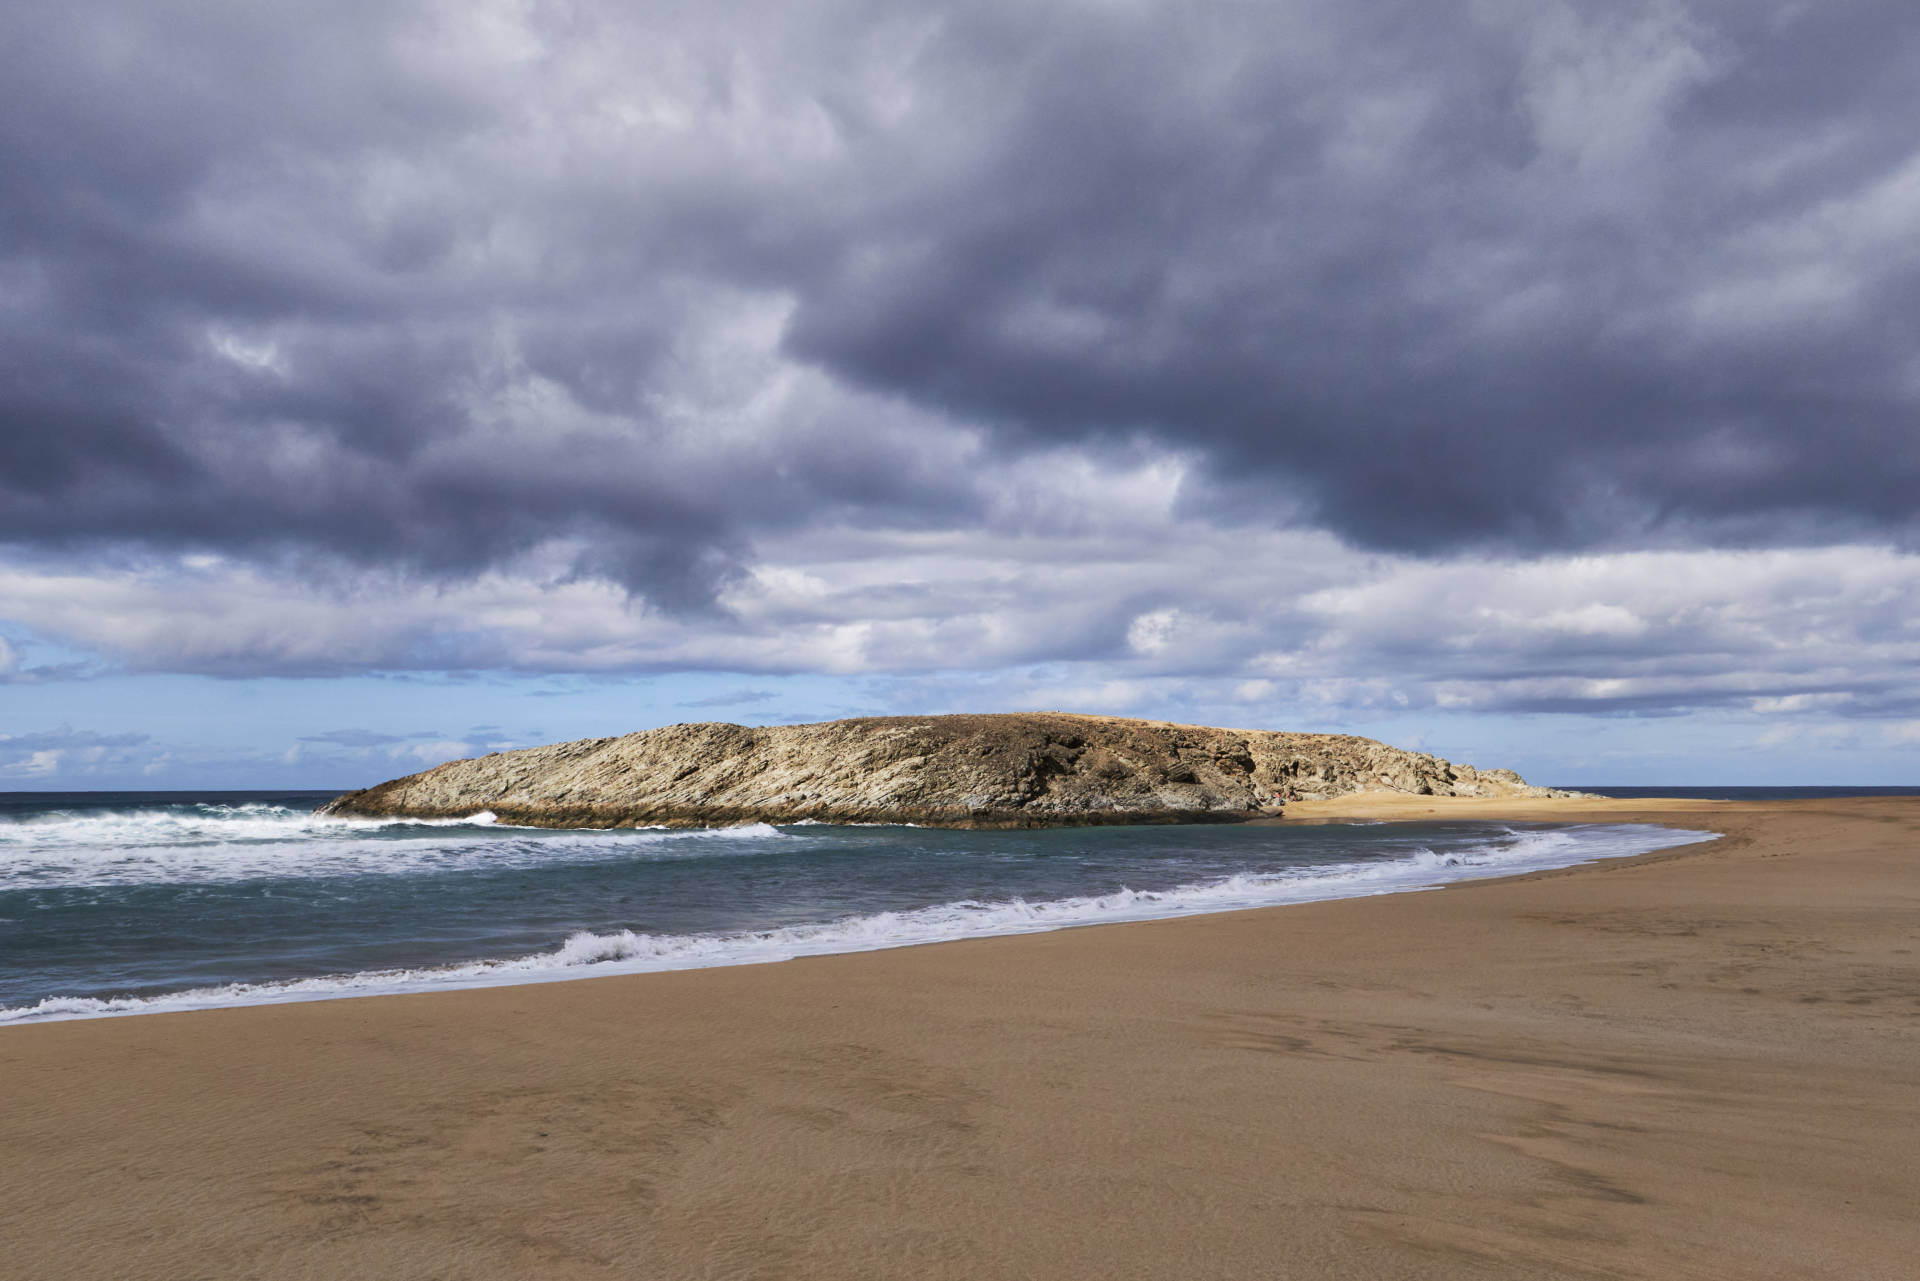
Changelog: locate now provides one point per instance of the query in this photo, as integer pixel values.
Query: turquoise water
(130, 903)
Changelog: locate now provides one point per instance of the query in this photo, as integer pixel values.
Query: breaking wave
(586, 955)
(211, 843)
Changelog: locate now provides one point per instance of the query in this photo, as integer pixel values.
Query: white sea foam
(224, 843)
(189, 824)
(816, 822)
(588, 955)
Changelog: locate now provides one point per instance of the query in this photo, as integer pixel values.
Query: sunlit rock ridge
(1036, 769)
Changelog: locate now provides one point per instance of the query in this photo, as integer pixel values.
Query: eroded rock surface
(1011, 770)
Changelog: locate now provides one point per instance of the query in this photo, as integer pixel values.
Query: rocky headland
(1039, 769)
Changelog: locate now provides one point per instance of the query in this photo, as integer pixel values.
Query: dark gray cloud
(447, 289)
(1552, 275)
(285, 286)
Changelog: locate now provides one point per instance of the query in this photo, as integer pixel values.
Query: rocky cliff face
(1015, 770)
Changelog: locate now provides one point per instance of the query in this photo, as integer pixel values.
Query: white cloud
(434, 753)
(1152, 633)
(66, 752)
(1167, 608)
(38, 764)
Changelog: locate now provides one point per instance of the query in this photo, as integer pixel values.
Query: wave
(191, 824)
(224, 843)
(589, 955)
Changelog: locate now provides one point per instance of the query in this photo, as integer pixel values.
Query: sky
(1532, 382)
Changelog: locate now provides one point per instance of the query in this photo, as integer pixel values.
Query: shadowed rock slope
(1037, 769)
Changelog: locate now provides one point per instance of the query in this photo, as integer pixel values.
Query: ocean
(128, 903)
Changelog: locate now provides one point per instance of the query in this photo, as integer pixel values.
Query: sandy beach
(1698, 1063)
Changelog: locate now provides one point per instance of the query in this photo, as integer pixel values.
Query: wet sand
(1702, 1063)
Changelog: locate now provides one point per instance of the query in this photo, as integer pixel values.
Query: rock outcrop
(1036, 769)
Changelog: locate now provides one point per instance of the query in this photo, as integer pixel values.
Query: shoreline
(585, 955)
(1688, 1062)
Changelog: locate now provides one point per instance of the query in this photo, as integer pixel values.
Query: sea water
(134, 903)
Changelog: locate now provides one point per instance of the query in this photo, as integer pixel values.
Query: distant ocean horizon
(136, 902)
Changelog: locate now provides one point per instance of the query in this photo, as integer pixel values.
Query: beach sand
(1702, 1063)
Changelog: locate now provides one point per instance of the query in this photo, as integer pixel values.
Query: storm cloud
(441, 285)
(1478, 356)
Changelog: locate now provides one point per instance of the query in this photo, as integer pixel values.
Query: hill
(1034, 769)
